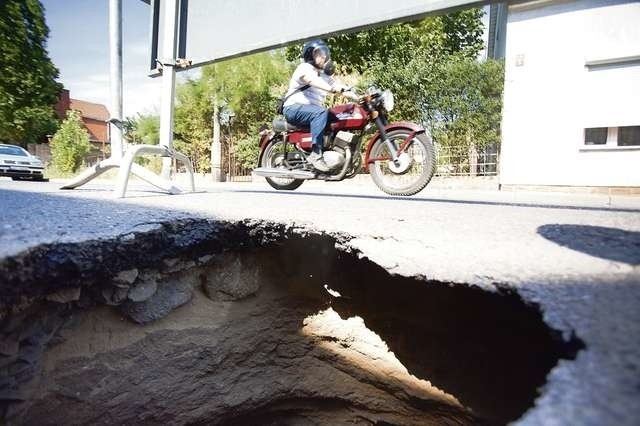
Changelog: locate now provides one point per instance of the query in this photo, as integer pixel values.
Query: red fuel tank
(349, 117)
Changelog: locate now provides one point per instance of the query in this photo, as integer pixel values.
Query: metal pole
(118, 158)
(168, 81)
(497, 30)
(216, 145)
(115, 75)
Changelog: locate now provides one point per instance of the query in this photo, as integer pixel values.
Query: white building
(572, 95)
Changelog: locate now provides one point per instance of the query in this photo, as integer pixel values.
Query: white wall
(550, 96)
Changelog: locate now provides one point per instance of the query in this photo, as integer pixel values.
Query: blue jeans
(313, 116)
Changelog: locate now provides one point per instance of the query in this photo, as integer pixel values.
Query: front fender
(396, 125)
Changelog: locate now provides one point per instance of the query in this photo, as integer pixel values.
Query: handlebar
(352, 95)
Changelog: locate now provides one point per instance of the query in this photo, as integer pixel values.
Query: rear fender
(265, 138)
(413, 128)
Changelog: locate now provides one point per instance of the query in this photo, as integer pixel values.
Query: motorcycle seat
(280, 125)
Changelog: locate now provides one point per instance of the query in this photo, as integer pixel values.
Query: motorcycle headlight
(387, 100)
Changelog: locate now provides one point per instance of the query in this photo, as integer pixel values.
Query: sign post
(168, 81)
(115, 77)
(125, 162)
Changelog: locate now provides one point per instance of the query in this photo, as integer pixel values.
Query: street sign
(212, 30)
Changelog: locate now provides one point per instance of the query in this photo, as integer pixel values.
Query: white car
(18, 164)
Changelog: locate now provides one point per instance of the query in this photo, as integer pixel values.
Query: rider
(306, 107)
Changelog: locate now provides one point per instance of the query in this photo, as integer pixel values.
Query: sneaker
(318, 162)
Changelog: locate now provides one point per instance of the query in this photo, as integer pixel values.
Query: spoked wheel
(415, 167)
(274, 158)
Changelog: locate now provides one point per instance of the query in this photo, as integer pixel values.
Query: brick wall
(62, 106)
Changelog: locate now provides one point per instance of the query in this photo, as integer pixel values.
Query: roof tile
(89, 109)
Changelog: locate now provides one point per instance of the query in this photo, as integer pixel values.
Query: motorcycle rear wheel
(418, 164)
(274, 157)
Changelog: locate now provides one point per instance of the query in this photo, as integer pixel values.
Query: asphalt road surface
(576, 256)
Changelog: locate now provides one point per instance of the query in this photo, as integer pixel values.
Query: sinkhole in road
(490, 350)
(298, 332)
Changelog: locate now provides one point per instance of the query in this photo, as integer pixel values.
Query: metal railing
(238, 173)
(451, 161)
(467, 161)
(232, 167)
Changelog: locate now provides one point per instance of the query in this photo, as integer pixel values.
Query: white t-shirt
(311, 95)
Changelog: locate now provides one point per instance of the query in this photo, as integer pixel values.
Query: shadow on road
(599, 241)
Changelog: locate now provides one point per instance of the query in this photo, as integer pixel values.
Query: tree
(464, 106)
(438, 36)
(463, 32)
(246, 152)
(143, 129)
(70, 144)
(192, 125)
(148, 129)
(459, 99)
(247, 86)
(28, 89)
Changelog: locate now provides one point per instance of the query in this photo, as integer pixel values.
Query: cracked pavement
(576, 256)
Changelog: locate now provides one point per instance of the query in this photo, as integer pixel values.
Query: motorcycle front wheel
(274, 158)
(415, 167)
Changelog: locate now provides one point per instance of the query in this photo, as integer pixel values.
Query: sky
(78, 45)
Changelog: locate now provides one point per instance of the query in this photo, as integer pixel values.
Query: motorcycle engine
(333, 159)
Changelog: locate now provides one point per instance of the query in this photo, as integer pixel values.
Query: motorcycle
(399, 156)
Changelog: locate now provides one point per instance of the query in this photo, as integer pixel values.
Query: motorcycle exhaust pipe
(272, 172)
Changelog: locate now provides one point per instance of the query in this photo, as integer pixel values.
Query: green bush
(247, 150)
(458, 99)
(70, 144)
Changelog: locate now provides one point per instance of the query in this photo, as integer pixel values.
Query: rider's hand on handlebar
(345, 91)
(351, 95)
(338, 88)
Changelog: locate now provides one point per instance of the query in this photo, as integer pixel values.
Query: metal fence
(232, 167)
(467, 161)
(451, 161)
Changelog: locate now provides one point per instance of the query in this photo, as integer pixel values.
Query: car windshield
(13, 150)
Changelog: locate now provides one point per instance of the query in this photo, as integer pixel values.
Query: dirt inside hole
(388, 350)
(492, 351)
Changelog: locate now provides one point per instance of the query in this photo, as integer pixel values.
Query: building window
(595, 136)
(629, 136)
(611, 137)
